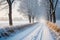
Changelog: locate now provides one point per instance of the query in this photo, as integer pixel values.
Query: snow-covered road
(38, 31)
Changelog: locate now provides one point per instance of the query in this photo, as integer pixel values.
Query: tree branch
(12, 1)
(8, 1)
(56, 4)
(4, 7)
(51, 4)
(2, 2)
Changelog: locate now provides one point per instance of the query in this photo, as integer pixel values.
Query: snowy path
(40, 33)
(37, 32)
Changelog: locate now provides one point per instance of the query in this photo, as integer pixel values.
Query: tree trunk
(10, 14)
(47, 16)
(29, 18)
(50, 18)
(54, 17)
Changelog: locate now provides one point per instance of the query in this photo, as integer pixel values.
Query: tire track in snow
(23, 34)
(39, 34)
(33, 34)
(46, 34)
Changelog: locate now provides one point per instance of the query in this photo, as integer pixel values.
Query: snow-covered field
(15, 23)
(22, 22)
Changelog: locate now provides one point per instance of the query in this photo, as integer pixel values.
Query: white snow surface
(38, 31)
(15, 23)
(58, 23)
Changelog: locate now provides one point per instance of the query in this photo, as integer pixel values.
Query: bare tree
(3, 2)
(46, 7)
(29, 7)
(10, 10)
(53, 5)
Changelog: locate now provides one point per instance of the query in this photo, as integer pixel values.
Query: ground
(36, 31)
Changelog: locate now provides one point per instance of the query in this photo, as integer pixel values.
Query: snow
(46, 34)
(15, 23)
(58, 23)
(21, 35)
(37, 31)
(33, 35)
(41, 34)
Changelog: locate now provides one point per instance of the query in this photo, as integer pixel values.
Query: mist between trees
(33, 9)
